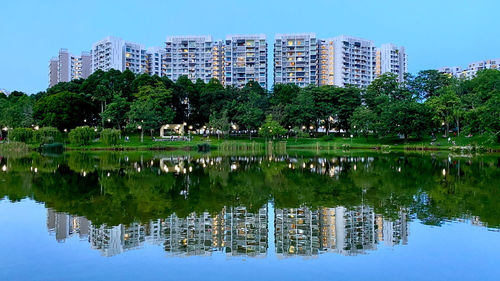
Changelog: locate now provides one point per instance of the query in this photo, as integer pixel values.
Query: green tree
(271, 128)
(116, 111)
(219, 122)
(363, 121)
(64, 110)
(16, 110)
(151, 109)
(446, 107)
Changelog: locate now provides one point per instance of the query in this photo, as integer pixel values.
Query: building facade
(155, 61)
(354, 61)
(391, 59)
(296, 59)
(108, 54)
(245, 60)
(190, 56)
(472, 69)
(116, 53)
(66, 67)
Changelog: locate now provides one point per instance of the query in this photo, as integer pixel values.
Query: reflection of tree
(116, 188)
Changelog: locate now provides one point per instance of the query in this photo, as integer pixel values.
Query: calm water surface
(162, 216)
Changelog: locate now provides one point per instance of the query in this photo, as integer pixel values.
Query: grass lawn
(258, 144)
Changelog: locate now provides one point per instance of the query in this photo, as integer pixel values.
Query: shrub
(328, 138)
(47, 135)
(110, 137)
(81, 135)
(21, 135)
(346, 146)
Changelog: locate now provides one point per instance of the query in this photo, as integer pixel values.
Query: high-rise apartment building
(135, 58)
(116, 53)
(452, 71)
(296, 59)
(108, 54)
(391, 59)
(471, 70)
(66, 67)
(190, 56)
(245, 60)
(155, 61)
(474, 67)
(354, 61)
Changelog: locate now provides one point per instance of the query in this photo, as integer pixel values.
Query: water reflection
(250, 206)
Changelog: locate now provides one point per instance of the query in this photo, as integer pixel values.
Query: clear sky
(435, 32)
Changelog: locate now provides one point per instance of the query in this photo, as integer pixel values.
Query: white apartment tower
(471, 70)
(392, 59)
(296, 59)
(354, 61)
(245, 60)
(474, 67)
(155, 61)
(191, 56)
(452, 71)
(135, 58)
(108, 54)
(66, 67)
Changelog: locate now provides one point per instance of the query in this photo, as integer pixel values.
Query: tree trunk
(250, 133)
(447, 128)
(102, 110)
(142, 135)
(458, 127)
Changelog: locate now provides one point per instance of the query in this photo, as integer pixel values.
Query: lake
(352, 215)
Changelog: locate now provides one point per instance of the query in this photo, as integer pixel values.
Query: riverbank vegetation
(428, 109)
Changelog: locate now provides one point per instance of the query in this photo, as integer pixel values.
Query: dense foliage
(425, 104)
(116, 188)
(81, 135)
(110, 136)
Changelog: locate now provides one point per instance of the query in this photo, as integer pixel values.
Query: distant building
(190, 56)
(116, 53)
(391, 59)
(245, 60)
(66, 67)
(354, 61)
(155, 61)
(472, 69)
(296, 59)
(5, 92)
(452, 71)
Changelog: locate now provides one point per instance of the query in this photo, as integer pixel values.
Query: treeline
(427, 103)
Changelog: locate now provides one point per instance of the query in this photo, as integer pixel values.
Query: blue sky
(435, 32)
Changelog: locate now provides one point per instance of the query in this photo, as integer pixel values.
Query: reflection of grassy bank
(258, 145)
(122, 187)
(14, 149)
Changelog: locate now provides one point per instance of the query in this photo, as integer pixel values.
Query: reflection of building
(193, 235)
(116, 239)
(339, 230)
(296, 231)
(239, 232)
(245, 233)
(65, 226)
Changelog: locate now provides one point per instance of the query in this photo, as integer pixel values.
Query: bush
(328, 138)
(21, 135)
(110, 137)
(81, 135)
(47, 135)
